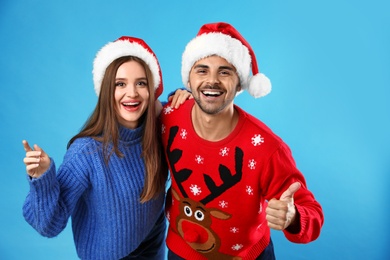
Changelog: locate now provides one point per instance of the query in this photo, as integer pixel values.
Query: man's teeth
(212, 93)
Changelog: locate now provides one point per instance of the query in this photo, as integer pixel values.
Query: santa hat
(224, 40)
(126, 46)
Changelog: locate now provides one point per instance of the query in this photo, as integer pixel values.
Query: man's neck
(214, 127)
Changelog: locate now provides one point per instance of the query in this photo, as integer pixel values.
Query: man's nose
(213, 79)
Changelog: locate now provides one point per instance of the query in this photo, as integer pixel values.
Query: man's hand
(281, 213)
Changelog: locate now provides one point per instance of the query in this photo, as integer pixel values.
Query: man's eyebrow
(200, 66)
(220, 68)
(227, 68)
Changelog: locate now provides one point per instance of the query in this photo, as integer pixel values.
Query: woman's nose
(131, 91)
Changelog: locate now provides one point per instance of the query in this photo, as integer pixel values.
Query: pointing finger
(26, 146)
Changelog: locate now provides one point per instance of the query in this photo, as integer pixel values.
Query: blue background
(329, 63)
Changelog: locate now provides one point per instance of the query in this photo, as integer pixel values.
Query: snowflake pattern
(237, 247)
(252, 164)
(195, 189)
(249, 190)
(183, 134)
(163, 127)
(234, 230)
(224, 151)
(257, 140)
(199, 159)
(168, 110)
(223, 204)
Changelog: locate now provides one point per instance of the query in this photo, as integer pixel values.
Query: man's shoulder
(169, 111)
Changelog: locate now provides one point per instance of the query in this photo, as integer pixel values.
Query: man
(232, 178)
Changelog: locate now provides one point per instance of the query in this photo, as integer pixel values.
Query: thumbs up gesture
(281, 213)
(37, 161)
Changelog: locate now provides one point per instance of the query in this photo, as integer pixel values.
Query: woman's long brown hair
(103, 124)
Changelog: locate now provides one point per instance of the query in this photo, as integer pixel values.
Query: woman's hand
(37, 161)
(179, 97)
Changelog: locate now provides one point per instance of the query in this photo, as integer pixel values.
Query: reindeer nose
(191, 236)
(194, 233)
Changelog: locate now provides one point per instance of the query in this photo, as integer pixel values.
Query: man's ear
(188, 85)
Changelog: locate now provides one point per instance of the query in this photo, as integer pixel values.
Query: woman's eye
(142, 83)
(119, 84)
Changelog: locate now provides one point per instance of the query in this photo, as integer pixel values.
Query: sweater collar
(127, 134)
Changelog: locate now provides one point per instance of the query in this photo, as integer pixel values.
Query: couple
(232, 178)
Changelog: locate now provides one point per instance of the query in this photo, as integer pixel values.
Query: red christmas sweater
(219, 190)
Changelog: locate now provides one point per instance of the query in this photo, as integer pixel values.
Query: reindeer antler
(173, 157)
(227, 178)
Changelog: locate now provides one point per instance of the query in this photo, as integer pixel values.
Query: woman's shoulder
(82, 142)
(84, 146)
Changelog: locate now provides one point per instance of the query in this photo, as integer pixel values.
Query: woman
(112, 179)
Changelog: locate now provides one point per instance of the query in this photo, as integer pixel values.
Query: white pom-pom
(259, 86)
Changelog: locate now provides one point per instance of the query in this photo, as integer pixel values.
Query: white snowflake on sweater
(199, 159)
(224, 152)
(195, 189)
(249, 190)
(234, 230)
(237, 247)
(168, 110)
(183, 134)
(257, 140)
(223, 204)
(163, 127)
(252, 164)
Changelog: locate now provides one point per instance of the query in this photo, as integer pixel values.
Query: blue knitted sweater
(108, 221)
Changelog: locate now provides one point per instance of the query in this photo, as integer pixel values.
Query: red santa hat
(126, 46)
(224, 40)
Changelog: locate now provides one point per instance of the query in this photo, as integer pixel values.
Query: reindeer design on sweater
(194, 220)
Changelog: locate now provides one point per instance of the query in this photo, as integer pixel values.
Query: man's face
(214, 84)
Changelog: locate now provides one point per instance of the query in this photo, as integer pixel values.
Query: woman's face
(131, 93)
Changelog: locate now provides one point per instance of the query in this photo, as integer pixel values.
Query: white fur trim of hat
(126, 46)
(224, 40)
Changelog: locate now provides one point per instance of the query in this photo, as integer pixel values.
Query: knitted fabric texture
(219, 189)
(108, 221)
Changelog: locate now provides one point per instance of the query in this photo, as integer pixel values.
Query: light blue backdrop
(329, 62)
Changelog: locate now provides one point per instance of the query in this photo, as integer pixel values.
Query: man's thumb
(289, 193)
